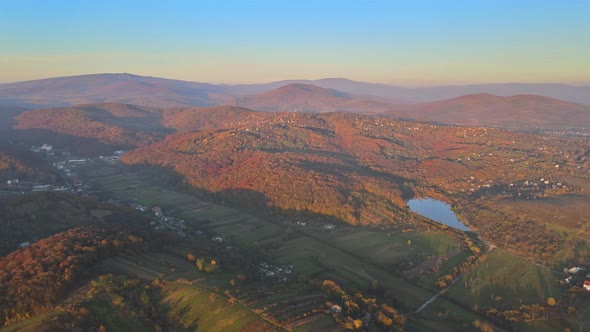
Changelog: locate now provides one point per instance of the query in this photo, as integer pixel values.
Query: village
(65, 165)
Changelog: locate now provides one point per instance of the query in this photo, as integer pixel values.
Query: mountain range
(161, 92)
(165, 98)
(520, 112)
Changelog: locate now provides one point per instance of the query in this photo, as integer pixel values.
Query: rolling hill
(307, 98)
(91, 128)
(513, 112)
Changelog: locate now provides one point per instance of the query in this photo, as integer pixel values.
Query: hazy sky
(402, 42)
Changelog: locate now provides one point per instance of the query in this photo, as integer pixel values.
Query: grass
(442, 316)
(515, 280)
(211, 311)
(325, 323)
(113, 319)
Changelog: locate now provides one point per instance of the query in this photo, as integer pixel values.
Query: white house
(46, 147)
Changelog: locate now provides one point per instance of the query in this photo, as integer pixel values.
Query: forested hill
(356, 168)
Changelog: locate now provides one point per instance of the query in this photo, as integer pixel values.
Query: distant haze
(162, 92)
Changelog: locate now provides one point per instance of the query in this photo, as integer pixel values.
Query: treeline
(471, 262)
(354, 311)
(35, 278)
(534, 239)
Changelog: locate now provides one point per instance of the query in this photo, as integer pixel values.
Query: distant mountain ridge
(511, 112)
(162, 92)
(119, 88)
(299, 97)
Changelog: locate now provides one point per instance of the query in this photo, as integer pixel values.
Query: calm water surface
(436, 210)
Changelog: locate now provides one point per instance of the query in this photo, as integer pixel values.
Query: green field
(212, 311)
(513, 279)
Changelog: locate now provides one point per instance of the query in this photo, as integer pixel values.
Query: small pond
(437, 211)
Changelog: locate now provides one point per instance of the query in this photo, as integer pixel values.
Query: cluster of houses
(526, 189)
(275, 273)
(22, 186)
(114, 158)
(68, 167)
(325, 227)
(161, 221)
(575, 277)
(43, 148)
(366, 317)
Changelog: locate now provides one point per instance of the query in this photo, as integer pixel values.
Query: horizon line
(400, 85)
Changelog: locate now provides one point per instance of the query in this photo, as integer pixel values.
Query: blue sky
(400, 42)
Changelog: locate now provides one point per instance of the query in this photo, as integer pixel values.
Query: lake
(437, 211)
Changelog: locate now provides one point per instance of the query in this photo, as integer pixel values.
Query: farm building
(335, 308)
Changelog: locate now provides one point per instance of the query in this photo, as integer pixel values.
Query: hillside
(19, 164)
(359, 169)
(208, 118)
(514, 112)
(91, 128)
(307, 98)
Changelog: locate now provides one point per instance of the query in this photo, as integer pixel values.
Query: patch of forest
(35, 278)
